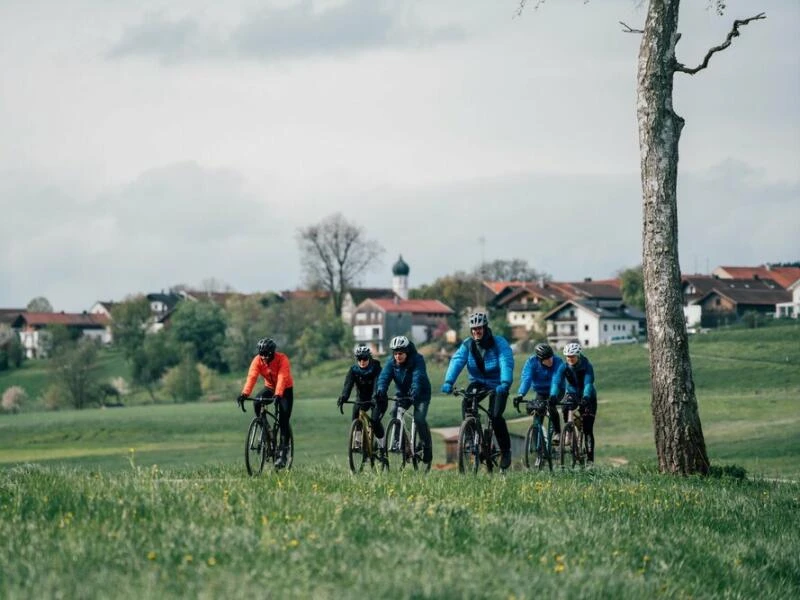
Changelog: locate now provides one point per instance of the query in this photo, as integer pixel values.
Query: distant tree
(248, 321)
(39, 304)
(202, 325)
(460, 291)
(58, 336)
(151, 360)
(74, 370)
(334, 254)
(632, 287)
(11, 351)
(128, 324)
(182, 382)
(515, 269)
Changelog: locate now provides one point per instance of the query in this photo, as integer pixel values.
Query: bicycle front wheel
(398, 448)
(255, 448)
(566, 455)
(469, 446)
(419, 452)
(531, 453)
(357, 452)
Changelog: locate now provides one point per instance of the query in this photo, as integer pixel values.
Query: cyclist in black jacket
(364, 376)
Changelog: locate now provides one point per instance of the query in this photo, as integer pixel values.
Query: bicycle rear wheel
(357, 451)
(255, 448)
(469, 446)
(398, 449)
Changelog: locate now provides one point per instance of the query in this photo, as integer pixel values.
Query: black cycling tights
(287, 401)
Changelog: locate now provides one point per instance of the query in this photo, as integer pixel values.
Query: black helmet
(362, 351)
(266, 347)
(543, 351)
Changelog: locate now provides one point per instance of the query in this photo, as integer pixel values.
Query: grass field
(153, 500)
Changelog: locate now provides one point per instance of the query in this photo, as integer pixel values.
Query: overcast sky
(153, 143)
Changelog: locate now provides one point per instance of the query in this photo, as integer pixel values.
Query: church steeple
(400, 272)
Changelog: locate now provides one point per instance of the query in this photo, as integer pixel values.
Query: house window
(717, 302)
(586, 327)
(605, 326)
(585, 343)
(375, 333)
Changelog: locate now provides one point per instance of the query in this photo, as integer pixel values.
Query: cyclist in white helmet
(407, 370)
(576, 374)
(490, 363)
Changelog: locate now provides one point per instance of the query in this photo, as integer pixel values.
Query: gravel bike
(476, 444)
(538, 439)
(262, 442)
(403, 443)
(362, 444)
(573, 443)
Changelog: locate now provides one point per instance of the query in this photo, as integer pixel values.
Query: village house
(32, 325)
(377, 320)
(791, 309)
(593, 323)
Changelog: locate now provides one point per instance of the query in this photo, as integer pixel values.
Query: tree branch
(629, 29)
(734, 32)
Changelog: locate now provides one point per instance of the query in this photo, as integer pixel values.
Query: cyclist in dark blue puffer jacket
(577, 375)
(489, 362)
(407, 370)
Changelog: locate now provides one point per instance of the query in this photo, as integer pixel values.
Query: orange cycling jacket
(277, 374)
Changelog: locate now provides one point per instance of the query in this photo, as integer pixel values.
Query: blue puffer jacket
(535, 374)
(410, 378)
(579, 380)
(498, 361)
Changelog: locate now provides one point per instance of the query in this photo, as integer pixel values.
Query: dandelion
(559, 567)
(293, 543)
(211, 561)
(188, 558)
(264, 520)
(151, 555)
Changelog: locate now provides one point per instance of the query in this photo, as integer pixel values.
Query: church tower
(400, 278)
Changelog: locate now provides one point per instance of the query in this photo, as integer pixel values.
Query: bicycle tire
(469, 446)
(397, 450)
(356, 451)
(531, 450)
(418, 452)
(578, 449)
(565, 450)
(255, 447)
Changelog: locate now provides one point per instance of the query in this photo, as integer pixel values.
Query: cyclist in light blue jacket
(490, 363)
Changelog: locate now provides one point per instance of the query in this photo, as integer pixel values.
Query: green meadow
(153, 500)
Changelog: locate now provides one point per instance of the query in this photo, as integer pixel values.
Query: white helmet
(572, 349)
(478, 319)
(399, 343)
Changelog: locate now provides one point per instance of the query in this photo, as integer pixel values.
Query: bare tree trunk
(680, 445)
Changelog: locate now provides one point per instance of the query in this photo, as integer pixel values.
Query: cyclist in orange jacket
(276, 370)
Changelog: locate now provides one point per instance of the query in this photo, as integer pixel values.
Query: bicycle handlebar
(367, 404)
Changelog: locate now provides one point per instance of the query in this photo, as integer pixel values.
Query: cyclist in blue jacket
(408, 372)
(577, 376)
(489, 362)
(538, 373)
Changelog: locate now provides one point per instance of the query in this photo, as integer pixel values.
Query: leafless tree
(679, 440)
(334, 254)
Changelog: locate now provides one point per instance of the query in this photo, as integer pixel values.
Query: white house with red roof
(377, 320)
(31, 325)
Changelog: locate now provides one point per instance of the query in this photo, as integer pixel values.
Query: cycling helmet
(266, 347)
(362, 352)
(478, 319)
(543, 351)
(399, 343)
(572, 349)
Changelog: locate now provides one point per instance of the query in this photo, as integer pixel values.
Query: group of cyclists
(489, 362)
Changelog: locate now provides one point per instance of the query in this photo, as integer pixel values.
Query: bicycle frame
(361, 441)
(539, 439)
(474, 442)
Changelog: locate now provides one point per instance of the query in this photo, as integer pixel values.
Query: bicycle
(362, 444)
(538, 439)
(476, 445)
(403, 443)
(261, 444)
(573, 442)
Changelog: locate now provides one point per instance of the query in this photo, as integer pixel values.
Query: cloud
(298, 30)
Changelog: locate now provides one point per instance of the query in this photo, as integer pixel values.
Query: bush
(182, 382)
(52, 398)
(13, 398)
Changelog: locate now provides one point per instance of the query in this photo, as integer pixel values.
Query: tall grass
(319, 532)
